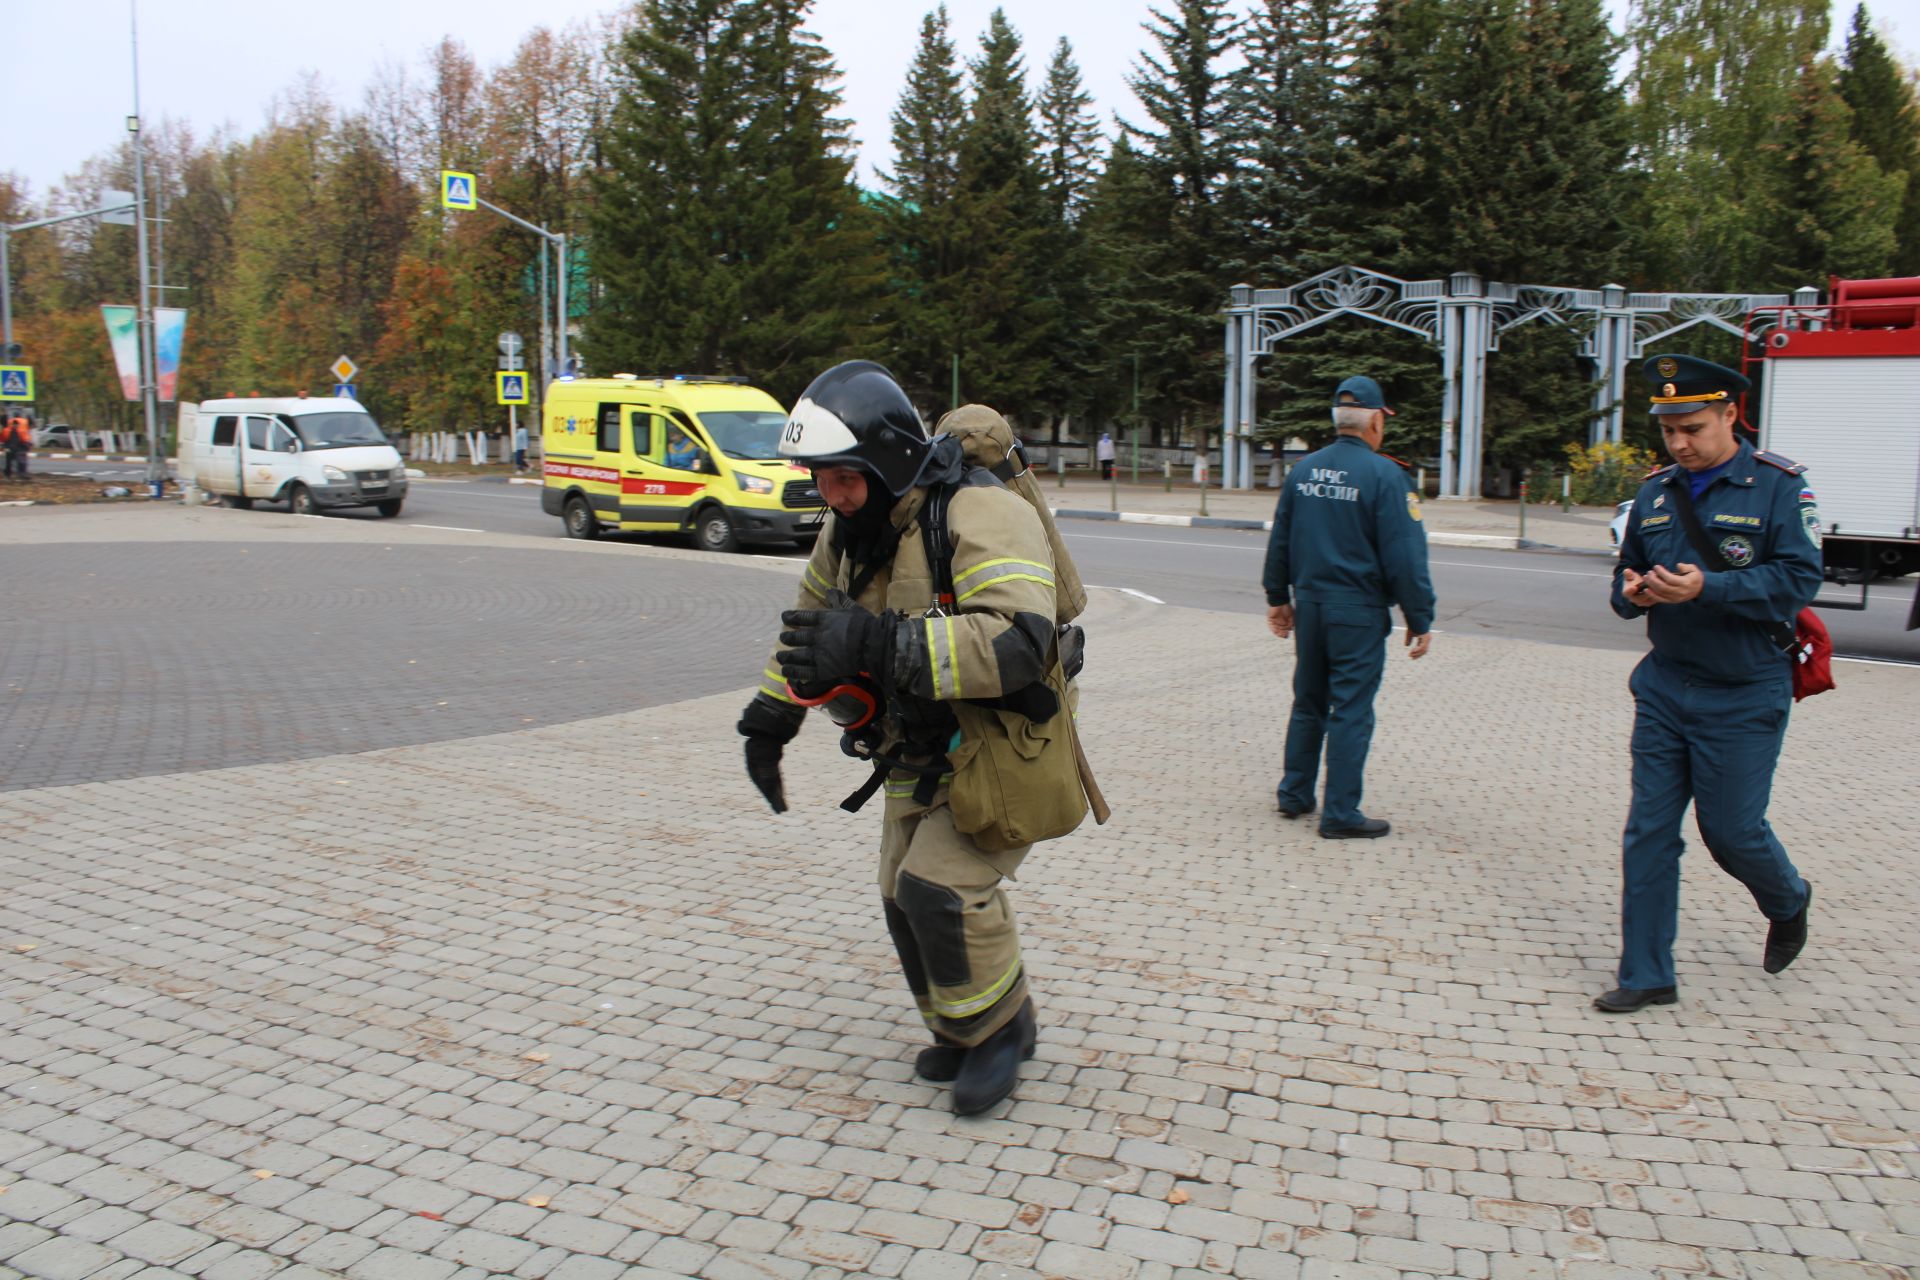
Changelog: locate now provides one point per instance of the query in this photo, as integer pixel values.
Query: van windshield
(746, 433)
(334, 430)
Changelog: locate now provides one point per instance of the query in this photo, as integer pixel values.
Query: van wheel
(714, 531)
(579, 519)
(300, 501)
(388, 509)
(239, 503)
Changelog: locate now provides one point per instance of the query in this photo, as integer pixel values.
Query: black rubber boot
(939, 1063)
(991, 1068)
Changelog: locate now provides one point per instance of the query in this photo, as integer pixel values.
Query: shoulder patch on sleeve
(1413, 505)
(1787, 465)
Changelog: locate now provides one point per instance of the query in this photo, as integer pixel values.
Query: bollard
(1166, 474)
(1202, 474)
(1060, 465)
(1523, 511)
(1113, 489)
(1566, 492)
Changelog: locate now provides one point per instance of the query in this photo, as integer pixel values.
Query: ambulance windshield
(334, 430)
(745, 433)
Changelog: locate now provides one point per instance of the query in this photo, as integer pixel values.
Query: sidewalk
(1449, 521)
(567, 1003)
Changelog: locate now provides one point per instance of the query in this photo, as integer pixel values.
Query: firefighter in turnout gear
(928, 624)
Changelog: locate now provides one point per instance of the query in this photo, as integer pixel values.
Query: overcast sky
(210, 62)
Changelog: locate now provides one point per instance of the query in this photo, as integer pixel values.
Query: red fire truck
(1838, 385)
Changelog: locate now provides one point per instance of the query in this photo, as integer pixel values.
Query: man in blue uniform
(1347, 543)
(1711, 700)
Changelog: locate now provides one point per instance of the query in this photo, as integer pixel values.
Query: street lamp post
(149, 375)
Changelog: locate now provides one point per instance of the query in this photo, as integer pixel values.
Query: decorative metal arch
(1464, 317)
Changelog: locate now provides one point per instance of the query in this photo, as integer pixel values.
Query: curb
(1485, 541)
(523, 480)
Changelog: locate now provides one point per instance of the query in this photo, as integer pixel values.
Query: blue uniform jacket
(1348, 531)
(1761, 515)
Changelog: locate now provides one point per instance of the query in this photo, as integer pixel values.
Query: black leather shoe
(1634, 999)
(991, 1068)
(1786, 937)
(1369, 829)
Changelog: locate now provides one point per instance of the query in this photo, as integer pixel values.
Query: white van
(311, 454)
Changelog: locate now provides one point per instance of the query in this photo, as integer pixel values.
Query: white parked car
(312, 454)
(1618, 528)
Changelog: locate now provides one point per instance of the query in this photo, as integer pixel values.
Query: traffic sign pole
(454, 182)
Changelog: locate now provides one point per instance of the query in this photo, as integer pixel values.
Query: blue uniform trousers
(1715, 745)
(1340, 651)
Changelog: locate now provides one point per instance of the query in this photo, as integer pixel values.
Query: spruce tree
(1837, 208)
(1886, 123)
(920, 215)
(1080, 374)
(1069, 136)
(1008, 320)
(1285, 128)
(1169, 304)
(727, 234)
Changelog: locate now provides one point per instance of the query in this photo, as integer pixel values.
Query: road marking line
(1877, 662)
(1128, 591)
(445, 528)
(1515, 568)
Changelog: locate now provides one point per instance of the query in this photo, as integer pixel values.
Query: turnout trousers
(951, 923)
(1339, 653)
(1715, 745)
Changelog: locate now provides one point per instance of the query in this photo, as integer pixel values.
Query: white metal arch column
(1463, 316)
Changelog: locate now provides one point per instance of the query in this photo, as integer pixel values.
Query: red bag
(1812, 656)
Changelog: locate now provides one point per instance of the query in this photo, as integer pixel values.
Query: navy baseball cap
(1360, 393)
(1684, 384)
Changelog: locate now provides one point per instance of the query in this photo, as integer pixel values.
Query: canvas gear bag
(1805, 642)
(1020, 773)
(988, 442)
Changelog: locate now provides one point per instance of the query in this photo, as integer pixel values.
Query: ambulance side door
(650, 496)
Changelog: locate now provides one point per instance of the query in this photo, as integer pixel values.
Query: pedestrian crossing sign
(457, 190)
(16, 382)
(511, 388)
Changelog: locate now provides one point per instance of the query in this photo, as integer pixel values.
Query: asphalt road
(1539, 596)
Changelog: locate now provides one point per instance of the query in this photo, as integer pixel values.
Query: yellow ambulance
(673, 454)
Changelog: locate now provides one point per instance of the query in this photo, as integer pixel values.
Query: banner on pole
(123, 331)
(169, 330)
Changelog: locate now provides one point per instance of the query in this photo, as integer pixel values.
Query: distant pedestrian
(520, 447)
(1712, 698)
(17, 436)
(1347, 543)
(1104, 451)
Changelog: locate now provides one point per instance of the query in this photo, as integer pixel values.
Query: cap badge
(1669, 390)
(1667, 367)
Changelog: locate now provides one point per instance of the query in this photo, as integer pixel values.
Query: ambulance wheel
(388, 510)
(579, 518)
(240, 504)
(714, 531)
(300, 501)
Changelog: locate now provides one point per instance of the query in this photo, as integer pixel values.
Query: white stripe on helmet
(813, 432)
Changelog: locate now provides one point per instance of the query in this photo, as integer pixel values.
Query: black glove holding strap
(832, 645)
(768, 726)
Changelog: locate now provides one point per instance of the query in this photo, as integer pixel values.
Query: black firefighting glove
(768, 726)
(830, 646)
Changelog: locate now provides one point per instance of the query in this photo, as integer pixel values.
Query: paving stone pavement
(566, 1002)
